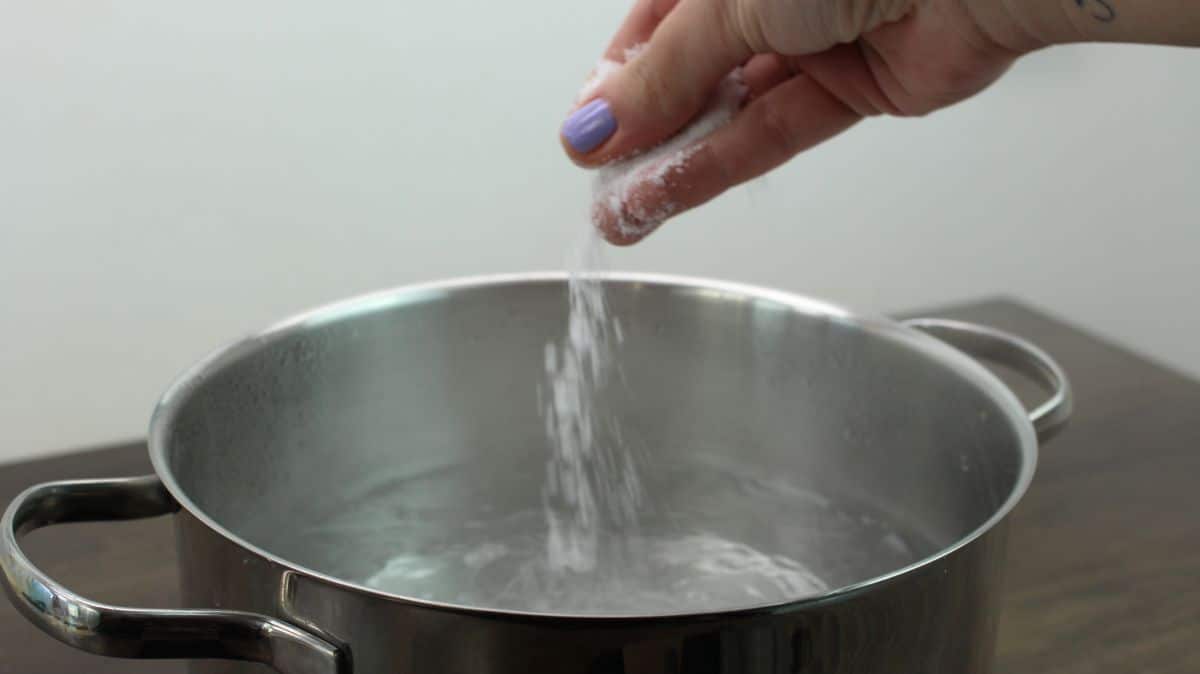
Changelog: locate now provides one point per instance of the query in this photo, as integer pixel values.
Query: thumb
(661, 88)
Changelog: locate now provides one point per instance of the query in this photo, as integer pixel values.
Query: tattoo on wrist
(1100, 10)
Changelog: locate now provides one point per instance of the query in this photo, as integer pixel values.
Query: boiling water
(720, 537)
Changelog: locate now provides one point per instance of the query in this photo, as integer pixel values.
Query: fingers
(792, 117)
(656, 93)
(763, 72)
(638, 26)
(635, 31)
(847, 71)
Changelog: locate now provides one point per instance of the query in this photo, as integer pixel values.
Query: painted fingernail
(589, 126)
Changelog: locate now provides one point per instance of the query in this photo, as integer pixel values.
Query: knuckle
(743, 20)
(779, 129)
(951, 84)
(849, 19)
(660, 8)
(844, 23)
(959, 80)
(707, 160)
(650, 87)
(915, 109)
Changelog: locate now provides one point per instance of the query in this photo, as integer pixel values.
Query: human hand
(812, 69)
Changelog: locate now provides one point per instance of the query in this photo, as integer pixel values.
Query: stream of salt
(591, 480)
(592, 483)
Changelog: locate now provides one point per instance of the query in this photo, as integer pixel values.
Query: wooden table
(1104, 558)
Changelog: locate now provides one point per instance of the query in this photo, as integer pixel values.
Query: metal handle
(130, 632)
(1007, 349)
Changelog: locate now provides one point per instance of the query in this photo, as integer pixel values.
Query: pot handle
(1005, 348)
(131, 632)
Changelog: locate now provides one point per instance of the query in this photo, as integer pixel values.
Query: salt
(615, 183)
(591, 480)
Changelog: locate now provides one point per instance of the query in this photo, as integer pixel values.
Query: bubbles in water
(687, 573)
(730, 539)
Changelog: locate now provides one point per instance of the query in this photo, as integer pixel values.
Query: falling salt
(591, 480)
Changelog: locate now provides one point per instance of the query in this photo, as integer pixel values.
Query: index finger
(637, 27)
(792, 117)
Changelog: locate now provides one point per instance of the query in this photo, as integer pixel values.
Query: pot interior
(398, 442)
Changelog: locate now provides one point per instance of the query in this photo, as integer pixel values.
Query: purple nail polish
(589, 126)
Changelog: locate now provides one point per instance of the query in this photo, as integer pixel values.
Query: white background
(173, 175)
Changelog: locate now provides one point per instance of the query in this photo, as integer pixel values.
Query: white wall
(173, 175)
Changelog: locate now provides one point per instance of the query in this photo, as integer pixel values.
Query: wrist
(1050, 22)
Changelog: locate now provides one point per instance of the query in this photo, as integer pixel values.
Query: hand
(812, 69)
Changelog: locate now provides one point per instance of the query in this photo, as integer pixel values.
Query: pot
(261, 446)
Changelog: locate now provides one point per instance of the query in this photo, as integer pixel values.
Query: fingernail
(589, 126)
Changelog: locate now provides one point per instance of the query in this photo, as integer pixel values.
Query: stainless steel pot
(261, 435)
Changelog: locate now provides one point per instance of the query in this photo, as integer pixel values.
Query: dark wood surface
(1104, 557)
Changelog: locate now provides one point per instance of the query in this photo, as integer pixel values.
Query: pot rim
(178, 393)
